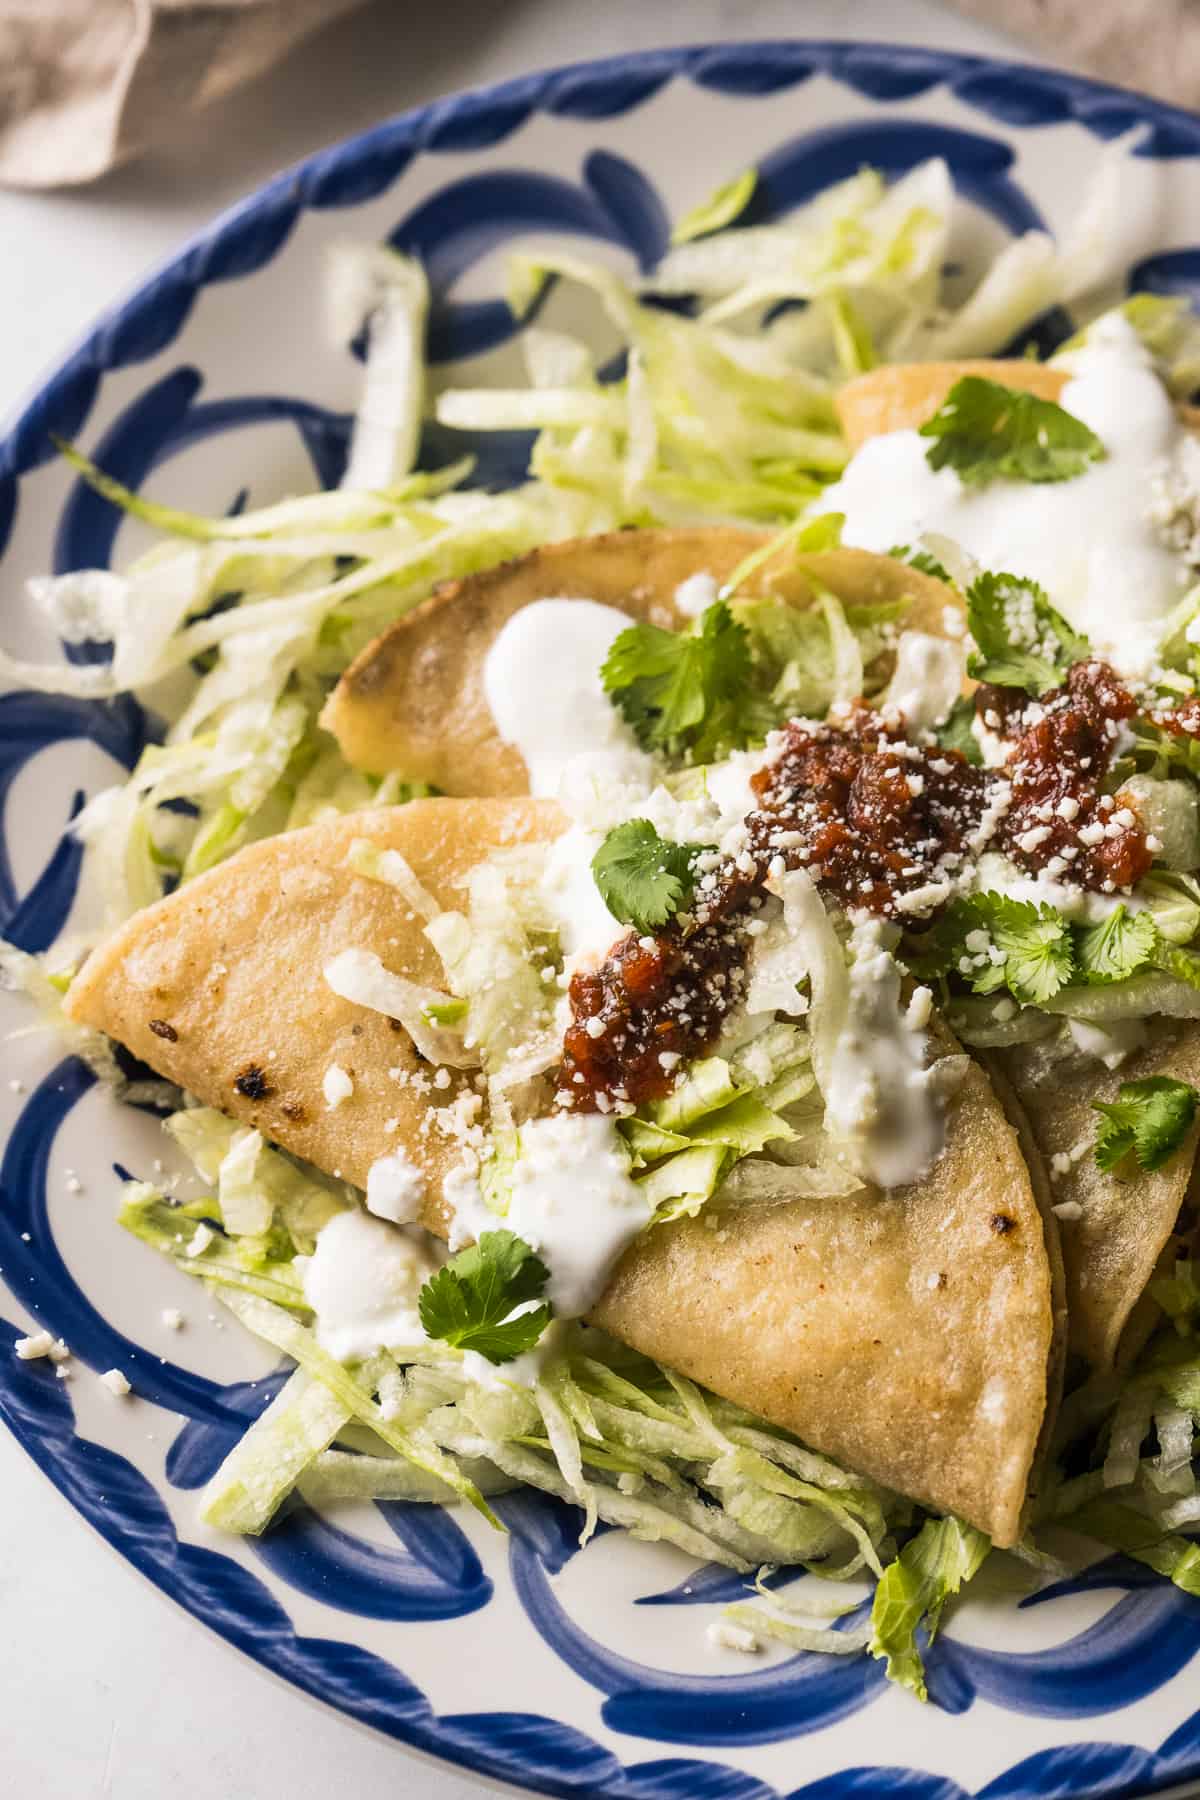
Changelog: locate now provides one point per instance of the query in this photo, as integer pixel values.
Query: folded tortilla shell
(908, 1334)
(220, 987)
(414, 703)
(1111, 1251)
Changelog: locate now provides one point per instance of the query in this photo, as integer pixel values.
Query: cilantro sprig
(1021, 640)
(471, 1301)
(985, 431)
(643, 879)
(922, 560)
(1118, 946)
(1145, 1124)
(684, 692)
(993, 942)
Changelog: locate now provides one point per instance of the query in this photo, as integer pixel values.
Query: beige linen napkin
(1149, 44)
(85, 83)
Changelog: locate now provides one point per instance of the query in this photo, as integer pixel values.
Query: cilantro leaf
(954, 732)
(922, 560)
(1112, 950)
(1148, 1119)
(680, 691)
(983, 430)
(993, 942)
(913, 1592)
(1022, 641)
(644, 879)
(470, 1301)
(1036, 941)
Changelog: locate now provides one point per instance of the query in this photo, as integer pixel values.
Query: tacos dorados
(912, 1334)
(1112, 1250)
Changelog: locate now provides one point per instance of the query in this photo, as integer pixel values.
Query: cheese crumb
(395, 1189)
(172, 1318)
(202, 1237)
(29, 1348)
(336, 1086)
(115, 1382)
(919, 1009)
(727, 1636)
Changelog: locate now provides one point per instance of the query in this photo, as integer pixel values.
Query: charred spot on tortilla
(252, 1083)
(1002, 1224)
(293, 1110)
(164, 1029)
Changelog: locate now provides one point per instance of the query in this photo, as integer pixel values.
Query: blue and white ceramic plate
(580, 1673)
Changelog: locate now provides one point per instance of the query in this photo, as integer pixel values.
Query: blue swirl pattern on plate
(425, 1567)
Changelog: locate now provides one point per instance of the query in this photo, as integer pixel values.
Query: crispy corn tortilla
(907, 1334)
(231, 965)
(1112, 1250)
(413, 702)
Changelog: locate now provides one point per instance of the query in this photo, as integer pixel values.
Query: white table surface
(106, 1691)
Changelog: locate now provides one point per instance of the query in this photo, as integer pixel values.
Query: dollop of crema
(870, 1049)
(1090, 541)
(881, 1096)
(362, 1282)
(927, 679)
(541, 680)
(572, 1199)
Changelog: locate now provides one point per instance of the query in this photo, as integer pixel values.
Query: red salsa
(1058, 818)
(653, 1004)
(875, 820)
(871, 816)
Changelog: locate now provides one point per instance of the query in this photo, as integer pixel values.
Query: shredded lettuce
(1125, 1528)
(391, 291)
(497, 956)
(913, 1592)
(720, 1111)
(264, 1465)
(721, 208)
